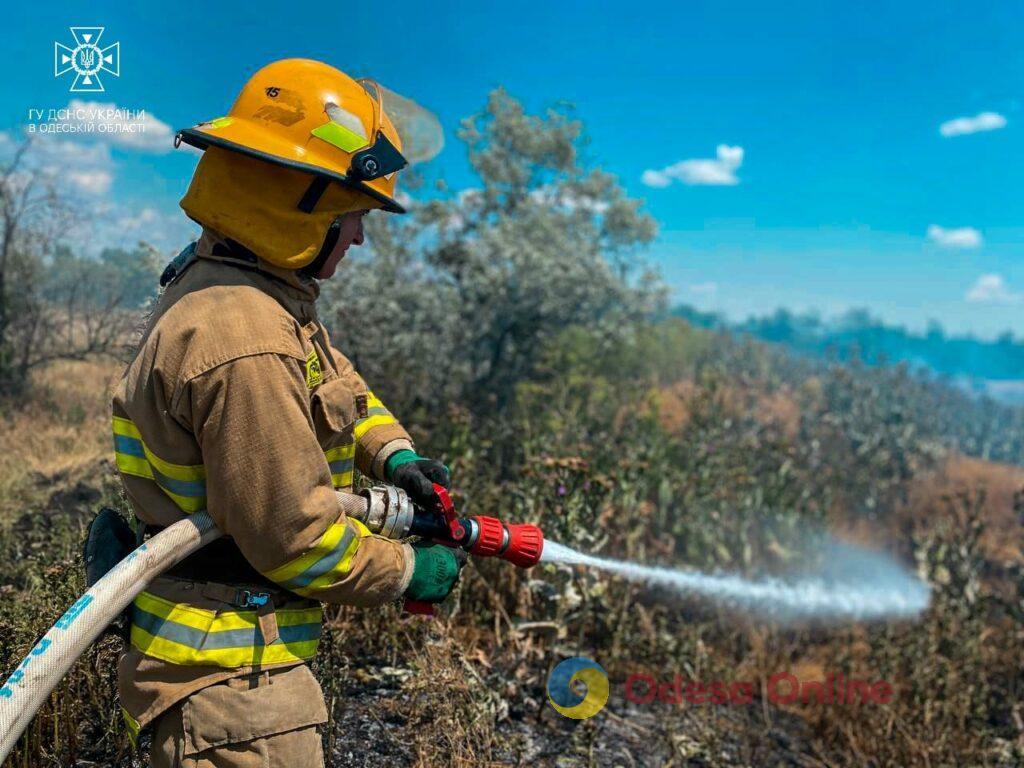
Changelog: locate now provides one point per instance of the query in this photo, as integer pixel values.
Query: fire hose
(51, 658)
(384, 510)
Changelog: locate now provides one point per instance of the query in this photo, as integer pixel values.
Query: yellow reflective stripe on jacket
(365, 425)
(341, 460)
(323, 564)
(184, 634)
(184, 483)
(372, 401)
(377, 415)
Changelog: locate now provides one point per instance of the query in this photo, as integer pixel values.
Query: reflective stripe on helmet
(344, 130)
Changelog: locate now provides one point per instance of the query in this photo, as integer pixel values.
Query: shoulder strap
(177, 266)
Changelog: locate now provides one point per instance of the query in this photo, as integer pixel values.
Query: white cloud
(168, 230)
(62, 155)
(93, 182)
(720, 171)
(470, 196)
(992, 289)
(960, 237)
(704, 289)
(85, 173)
(137, 221)
(983, 121)
(75, 167)
(120, 126)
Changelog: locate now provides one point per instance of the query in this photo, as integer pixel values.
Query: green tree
(458, 301)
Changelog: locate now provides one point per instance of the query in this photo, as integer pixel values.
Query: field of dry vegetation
(721, 468)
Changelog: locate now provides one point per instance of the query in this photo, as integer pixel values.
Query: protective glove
(435, 572)
(416, 475)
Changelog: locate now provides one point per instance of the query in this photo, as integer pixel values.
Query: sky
(815, 156)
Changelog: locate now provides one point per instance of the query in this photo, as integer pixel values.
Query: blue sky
(824, 169)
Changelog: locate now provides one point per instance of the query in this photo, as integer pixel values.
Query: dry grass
(61, 426)
(779, 409)
(674, 405)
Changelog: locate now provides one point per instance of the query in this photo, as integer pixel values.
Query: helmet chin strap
(330, 240)
(313, 193)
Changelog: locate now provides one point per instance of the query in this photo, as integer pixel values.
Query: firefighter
(236, 402)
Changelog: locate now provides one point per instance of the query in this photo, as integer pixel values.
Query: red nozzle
(490, 538)
(525, 545)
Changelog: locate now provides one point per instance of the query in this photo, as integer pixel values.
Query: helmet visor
(418, 128)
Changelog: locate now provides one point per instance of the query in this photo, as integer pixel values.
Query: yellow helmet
(303, 143)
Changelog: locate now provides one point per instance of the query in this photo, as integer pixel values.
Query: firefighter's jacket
(237, 403)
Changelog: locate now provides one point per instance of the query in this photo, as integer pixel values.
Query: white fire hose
(51, 658)
(54, 655)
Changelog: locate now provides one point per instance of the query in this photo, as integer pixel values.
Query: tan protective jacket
(237, 403)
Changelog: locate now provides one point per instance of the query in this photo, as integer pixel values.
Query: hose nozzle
(520, 544)
(525, 545)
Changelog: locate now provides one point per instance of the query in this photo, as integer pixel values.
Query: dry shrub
(695, 482)
(779, 409)
(956, 672)
(673, 403)
(1003, 539)
(449, 708)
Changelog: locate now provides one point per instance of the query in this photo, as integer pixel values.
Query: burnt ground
(371, 734)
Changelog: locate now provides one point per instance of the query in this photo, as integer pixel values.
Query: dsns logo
(572, 674)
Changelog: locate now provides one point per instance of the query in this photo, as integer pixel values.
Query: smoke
(851, 583)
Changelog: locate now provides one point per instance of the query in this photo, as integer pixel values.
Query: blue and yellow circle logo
(566, 700)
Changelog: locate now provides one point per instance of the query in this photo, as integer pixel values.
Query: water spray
(856, 585)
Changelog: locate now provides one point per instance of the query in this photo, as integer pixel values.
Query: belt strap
(241, 597)
(218, 561)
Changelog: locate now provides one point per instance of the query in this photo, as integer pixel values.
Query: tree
(56, 304)
(457, 303)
